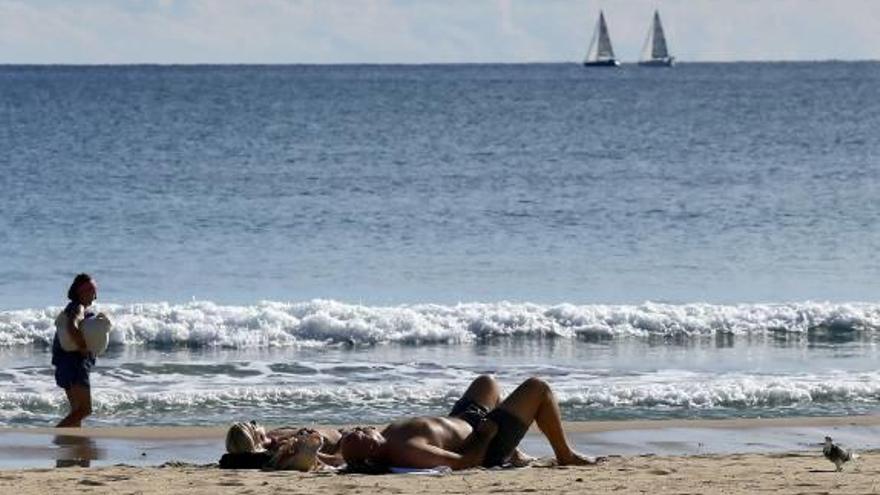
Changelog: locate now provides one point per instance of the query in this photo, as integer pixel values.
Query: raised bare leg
(534, 401)
(484, 390)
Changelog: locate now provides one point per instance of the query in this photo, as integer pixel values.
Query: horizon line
(404, 64)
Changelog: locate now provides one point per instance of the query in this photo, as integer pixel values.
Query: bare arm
(477, 443)
(76, 333)
(335, 460)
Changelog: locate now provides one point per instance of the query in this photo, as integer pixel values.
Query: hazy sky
(423, 31)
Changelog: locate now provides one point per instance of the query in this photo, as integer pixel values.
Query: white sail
(590, 54)
(604, 51)
(658, 47)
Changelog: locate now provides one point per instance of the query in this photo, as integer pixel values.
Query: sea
(339, 244)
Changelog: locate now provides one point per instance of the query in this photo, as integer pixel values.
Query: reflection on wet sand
(76, 451)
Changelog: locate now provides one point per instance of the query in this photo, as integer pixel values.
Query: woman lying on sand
(249, 445)
(480, 430)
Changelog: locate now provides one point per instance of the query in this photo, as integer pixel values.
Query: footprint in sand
(88, 482)
(661, 471)
(116, 477)
(230, 483)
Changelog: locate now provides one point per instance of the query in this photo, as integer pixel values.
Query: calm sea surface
(354, 243)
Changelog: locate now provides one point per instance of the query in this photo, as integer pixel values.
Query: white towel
(435, 471)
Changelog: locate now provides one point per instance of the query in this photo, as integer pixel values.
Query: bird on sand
(836, 454)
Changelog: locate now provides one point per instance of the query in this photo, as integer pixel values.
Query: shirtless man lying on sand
(249, 445)
(481, 430)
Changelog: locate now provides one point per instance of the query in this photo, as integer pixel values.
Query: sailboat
(659, 56)
(604, 54)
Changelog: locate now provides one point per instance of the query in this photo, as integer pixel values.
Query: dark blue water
(363, 203)
(549, 183)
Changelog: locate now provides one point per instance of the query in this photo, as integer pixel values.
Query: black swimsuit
(471, 411)
(511, 429)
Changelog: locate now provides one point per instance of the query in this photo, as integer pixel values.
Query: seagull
(836, 454)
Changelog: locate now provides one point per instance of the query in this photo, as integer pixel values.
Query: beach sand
(792, 473)
(788, 463)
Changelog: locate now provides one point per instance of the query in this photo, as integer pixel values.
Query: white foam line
(322, 322)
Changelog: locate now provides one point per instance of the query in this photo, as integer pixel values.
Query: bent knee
(537, 384)
(485, 381)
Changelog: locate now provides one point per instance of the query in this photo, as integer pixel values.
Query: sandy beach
(775, 455)
(789, 473)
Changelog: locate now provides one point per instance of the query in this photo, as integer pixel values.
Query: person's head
(83, 290)
(245, 438)
(359, 445)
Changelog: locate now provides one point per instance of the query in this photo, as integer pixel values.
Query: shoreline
(202, 432)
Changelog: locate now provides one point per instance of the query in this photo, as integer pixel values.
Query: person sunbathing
(249, 445)
(480, 430)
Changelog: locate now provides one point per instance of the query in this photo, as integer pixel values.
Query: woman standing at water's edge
(72, 367)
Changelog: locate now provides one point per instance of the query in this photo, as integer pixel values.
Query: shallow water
(349, 381)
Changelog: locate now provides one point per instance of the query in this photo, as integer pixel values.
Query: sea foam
(321, 322)
(669, 394)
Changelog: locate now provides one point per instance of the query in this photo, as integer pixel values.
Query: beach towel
(435, 471)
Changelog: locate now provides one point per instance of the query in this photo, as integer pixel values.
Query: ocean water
(355, 243)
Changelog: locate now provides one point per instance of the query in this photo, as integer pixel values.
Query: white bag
(96, 330)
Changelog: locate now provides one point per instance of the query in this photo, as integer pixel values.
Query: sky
(426, 31)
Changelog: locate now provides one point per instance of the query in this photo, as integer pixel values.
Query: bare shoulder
(75, 311)
(409, 424)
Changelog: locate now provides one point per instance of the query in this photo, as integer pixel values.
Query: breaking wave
(319, 322)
